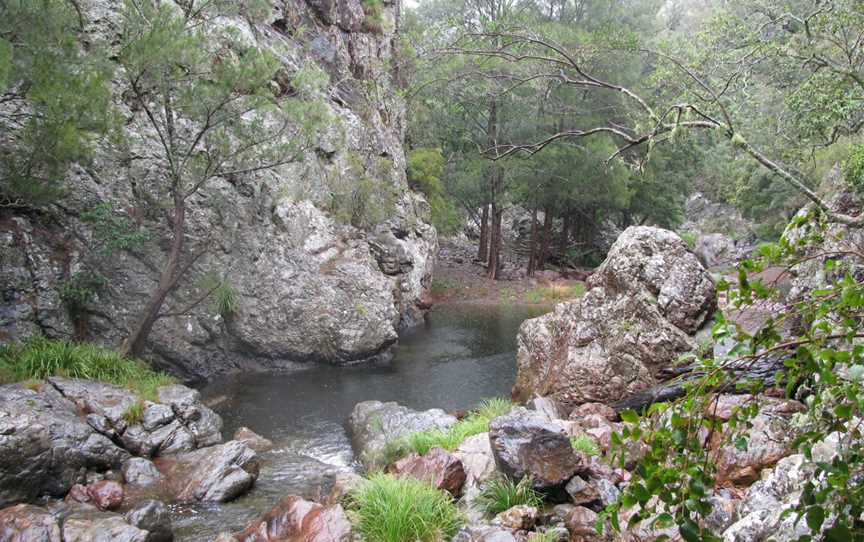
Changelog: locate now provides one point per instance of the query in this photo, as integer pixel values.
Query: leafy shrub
(853, 168)
(80, 290)
(502, 493)
(374, 11)
(585, 444)
(40, 357)
(425, 167)
(389, 509)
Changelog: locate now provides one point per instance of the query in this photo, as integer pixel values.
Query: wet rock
(253, 439)
(152, 516)
(216, 474)
(45, 447)
(156, 415)
(518, 518)
(27, 523)
(101, 528)
(141, 472)
(106, 495)
(297, 519)
(524, 443)
(374, 424)
(644, 301)
(79, 494)
(438, 467)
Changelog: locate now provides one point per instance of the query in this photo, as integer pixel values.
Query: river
(460, 355)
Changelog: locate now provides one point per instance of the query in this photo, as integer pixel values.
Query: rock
(106, 495)
(593, 409)
(27, 523)
(546, 406)
(216, 474)
(141, 472)
(45, 448)
(475, 453)
(289, 254)
(97, 528)
(524, 443)
(582, 524)
(253, 439)
(374, 424)
(297, 519)
(78, 494)
(724, 505)
(716, 249)
(607, 490)
(484, 533)
(441, 469)
(644, 301)
(768, 440)
(581, 492)
(518, 518)
(153, 517)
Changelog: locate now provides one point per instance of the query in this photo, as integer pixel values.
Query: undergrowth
(40, 357)
(476, 422)
(554, 292)
(586, 444)
(389, 509)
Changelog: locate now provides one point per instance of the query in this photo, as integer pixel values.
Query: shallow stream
(463, 353)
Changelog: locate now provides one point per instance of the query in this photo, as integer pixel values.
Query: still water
(461, 355)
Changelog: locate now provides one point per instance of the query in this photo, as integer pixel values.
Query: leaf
(838, 533)
(690, 531)
(815, 518)
(629, 416)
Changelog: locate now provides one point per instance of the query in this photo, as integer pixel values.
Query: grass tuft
(554, 292)
(502, 493)
(545, 536)
(476, 422)
(389, 509)
(40, 357)
(586, 444)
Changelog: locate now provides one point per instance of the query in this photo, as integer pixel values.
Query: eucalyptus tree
(212, 108)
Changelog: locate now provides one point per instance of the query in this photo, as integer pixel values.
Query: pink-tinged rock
(106, 495)
(441, 469)
(297, 520)
(78, 493)
(594, 409)
(27, 523)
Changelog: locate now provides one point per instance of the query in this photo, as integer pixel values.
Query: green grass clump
(555, 292)
(689, 239)
(585, 444)
(135, 413)
(389, 509)
(476, 422)
(545, 536)
(40, 357)
(502, 494)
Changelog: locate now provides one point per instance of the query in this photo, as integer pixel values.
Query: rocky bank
(311, 288)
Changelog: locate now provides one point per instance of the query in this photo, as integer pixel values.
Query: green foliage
(374, 11)
(853, 168)
(80, 290)
(500, 494)
(224, 297)
(823, 366)
(114, 231)
(135, 413)
(545, 536)
(586, 444)
(689, 239)
(39, 357)
(388, 509)
(476, 422)
(425, 168)
(56, 98)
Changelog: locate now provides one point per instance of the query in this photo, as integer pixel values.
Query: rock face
(374, 424)
(297, 519)
(215, 474)
(276, 240)
(67, 523)
(439, 468)
(525, 443)
(646, 300)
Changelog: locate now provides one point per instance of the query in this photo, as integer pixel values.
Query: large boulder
(27, 523)
(153, 517)
(215, 474)
(45, 446)
(373, 425)
(526, 444)
(645, 301)
(297, 519)
(67, 523)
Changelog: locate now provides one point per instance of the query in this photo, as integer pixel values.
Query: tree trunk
(532, 253)
(494, 243)
(564, 238)
(137, 339)
(483, 249)
(546, 238)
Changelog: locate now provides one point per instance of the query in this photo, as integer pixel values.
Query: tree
(54, 98)
(212, 108)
